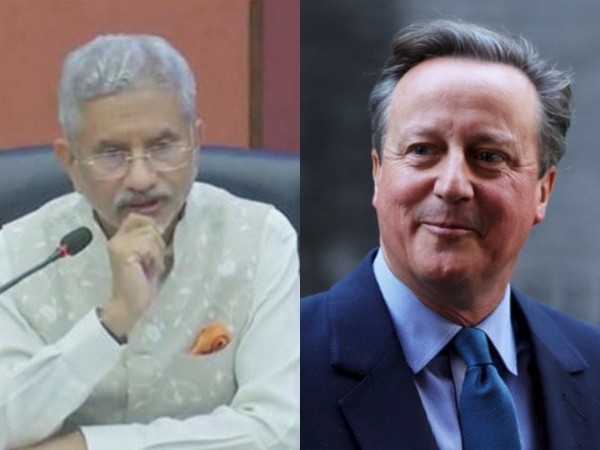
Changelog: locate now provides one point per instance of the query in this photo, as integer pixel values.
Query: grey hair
(426, 40)
(113, 64)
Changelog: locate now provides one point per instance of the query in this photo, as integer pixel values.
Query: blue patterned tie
(487, 413)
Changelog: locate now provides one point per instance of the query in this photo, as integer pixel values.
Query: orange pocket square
(212, 338)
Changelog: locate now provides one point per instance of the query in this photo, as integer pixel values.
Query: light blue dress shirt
(439, 372)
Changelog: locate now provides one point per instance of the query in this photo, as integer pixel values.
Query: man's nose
(454, 180)
(140, 175)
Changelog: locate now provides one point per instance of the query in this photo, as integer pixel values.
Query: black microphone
(71, 244)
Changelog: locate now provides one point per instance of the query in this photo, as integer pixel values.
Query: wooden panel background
(215, 36)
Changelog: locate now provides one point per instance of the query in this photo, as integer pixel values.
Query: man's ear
(198, 136)
(375, 171)
(199, 130)
(63, 153)
(545, 187)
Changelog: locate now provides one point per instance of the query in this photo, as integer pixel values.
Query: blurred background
(343, 49)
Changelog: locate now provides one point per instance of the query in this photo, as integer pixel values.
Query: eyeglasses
(113, 164)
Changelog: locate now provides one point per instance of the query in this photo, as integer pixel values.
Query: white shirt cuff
(109, 437)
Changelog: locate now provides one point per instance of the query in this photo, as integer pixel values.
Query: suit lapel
(384, 407)
(568, 407)
(384, 410)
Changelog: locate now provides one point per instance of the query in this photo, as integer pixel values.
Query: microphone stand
(58, 253)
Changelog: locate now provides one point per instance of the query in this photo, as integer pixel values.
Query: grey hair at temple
(426, 40)
(112, 64)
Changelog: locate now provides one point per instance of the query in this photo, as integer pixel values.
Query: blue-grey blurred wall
(345, 43)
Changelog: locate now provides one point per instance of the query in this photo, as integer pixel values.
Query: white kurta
(235, 261)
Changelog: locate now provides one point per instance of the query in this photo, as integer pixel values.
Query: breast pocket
(197, 384)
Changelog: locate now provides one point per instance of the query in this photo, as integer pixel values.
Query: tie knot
(471, 344)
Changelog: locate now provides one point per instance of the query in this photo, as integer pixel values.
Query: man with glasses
(178, 326)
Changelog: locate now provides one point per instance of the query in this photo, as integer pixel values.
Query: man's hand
(73, 441)
(136, 254)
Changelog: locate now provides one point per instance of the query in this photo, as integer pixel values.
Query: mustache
(132, 198)
(452, 217)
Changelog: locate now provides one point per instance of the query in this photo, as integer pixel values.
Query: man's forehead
(138, 114)
(460, 80)
(145, 137)
(157, 98)
(448, 69)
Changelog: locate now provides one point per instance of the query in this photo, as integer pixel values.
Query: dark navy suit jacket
(358, 391)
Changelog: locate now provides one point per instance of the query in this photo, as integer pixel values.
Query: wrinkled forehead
(155, 102)
(131, 115)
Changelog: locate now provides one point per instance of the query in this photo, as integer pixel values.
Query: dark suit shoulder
(313, 305)
(578, 331)
(314, 329)
(567, 359)
(571, 324)
(571, 340)
(322, 424)
(349, 322)
(357, 389)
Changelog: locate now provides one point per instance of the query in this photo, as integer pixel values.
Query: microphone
(71, 244)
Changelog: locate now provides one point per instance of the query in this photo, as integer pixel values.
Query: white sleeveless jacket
(217, 248)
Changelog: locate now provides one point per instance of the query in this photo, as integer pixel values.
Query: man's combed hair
(113, 64)
(423, 41)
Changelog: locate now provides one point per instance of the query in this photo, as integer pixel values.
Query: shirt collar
(423, 333)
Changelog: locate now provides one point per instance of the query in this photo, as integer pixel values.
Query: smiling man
(178, 326)
(426, 345)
